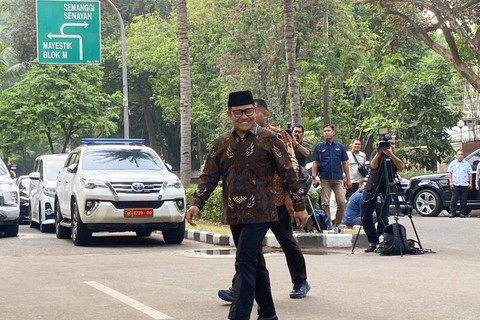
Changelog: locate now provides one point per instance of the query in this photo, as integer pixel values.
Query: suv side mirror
(34, 175)
(72, 168)
(12, 174)
(169, 167)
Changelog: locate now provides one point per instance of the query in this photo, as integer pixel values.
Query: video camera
(288, 129)
(384, 143)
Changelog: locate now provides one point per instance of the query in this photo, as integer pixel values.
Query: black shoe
(452, 215)
(371, 248)
(274, 317)
(226, 295)
(300, 291)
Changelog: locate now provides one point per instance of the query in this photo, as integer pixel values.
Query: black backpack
(395, 240)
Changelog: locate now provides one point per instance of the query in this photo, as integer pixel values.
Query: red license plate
(138, 213)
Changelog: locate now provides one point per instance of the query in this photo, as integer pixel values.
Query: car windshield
(123, 159)
(53, 167)
(3, 168)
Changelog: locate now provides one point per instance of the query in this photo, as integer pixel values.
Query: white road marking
(155, 314)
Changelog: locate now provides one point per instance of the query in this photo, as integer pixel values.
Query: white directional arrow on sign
(71, 36)
(73, 24)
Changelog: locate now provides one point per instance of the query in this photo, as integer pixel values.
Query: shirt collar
(253, 129)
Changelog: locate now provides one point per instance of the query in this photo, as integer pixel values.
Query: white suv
(42, 189)
(9, 202)
(117, 185)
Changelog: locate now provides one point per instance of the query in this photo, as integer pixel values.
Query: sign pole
(126, 111)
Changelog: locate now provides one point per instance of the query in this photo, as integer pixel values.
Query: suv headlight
(49, 191)
(174, 183)
(8, 195)
(91, 184)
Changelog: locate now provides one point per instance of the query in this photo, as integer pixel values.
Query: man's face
(298, 133)
(261, 115)
(328, 133)
(460, 155)
(242, 117)
(356, 145)
(393, 143)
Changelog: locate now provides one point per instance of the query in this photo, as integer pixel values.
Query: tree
(457, 21)
(185, 94)
(61, 101)
(290, 53)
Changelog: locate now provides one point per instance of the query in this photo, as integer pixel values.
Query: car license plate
(138, 212)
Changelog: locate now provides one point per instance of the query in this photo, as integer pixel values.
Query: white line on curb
(155, 314)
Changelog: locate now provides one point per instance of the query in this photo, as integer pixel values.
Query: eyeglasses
(238, 113)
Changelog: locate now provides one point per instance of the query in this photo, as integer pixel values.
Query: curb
(305, 240)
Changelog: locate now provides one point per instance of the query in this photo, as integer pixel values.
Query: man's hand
(289, 204)
(315, 181)
(191, 214)
(300, 218)
(348, 184)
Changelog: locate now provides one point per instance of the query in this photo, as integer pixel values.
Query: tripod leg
(415, 230)
(356, 238)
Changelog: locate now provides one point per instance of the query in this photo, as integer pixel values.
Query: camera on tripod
(288, 129)
(384, 141)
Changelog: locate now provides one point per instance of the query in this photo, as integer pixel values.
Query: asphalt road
(123, 277)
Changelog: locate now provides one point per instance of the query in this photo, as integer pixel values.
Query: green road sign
(68, 32)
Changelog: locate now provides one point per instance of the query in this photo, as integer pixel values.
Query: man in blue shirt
(460, 181)
(352, 214)
(330, 161)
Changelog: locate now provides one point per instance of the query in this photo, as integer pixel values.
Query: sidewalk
(305, 240)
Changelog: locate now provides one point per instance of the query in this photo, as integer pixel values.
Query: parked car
(23, 184)
(118, 185)
(9, 202)
(430, 194)
(42, 190)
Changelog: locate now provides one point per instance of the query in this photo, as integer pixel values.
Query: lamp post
(461, 124)
(126, 111)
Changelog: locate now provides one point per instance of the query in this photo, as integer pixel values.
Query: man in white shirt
(460, 181)
(355, 175)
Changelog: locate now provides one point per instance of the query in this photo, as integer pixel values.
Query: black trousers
(459, 193)
(293, 254)
(351, 190)
(252, 280)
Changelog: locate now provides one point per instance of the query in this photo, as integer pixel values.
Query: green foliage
(213, 209)
(58, 101)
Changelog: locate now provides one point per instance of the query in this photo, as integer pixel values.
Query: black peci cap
(240, 98)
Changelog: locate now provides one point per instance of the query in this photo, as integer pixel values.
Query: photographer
(384, 164)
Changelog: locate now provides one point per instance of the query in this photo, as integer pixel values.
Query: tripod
(395, 192)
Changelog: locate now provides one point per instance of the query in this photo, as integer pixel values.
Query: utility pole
(126, 111)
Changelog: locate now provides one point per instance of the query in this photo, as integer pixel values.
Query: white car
(9, 202)
(118, 185)
(42, 189)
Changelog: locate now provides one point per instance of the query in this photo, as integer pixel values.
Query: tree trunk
(290, 53)
(185, 95)
(149, 124)
(325, 80)
(50, 141)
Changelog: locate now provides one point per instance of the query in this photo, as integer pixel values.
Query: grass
(205, 225)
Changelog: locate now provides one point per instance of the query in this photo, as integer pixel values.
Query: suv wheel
(11, 230)
(174, 235)
(61, 231)
(81, 236)
(427, 203)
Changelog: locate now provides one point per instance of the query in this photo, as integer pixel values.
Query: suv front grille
(147, 187)
(137, 204)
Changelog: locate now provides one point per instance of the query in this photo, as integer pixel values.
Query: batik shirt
(278, 188)
(247, 166)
